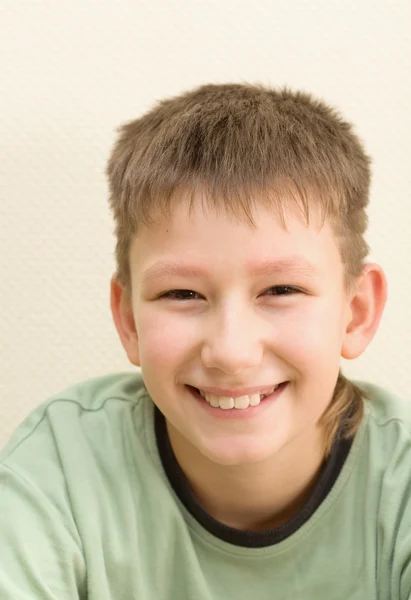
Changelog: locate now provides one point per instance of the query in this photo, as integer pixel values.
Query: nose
(233, 342)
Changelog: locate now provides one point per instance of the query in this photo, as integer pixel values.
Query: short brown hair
(238, 143)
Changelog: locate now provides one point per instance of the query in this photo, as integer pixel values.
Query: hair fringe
(237, 143)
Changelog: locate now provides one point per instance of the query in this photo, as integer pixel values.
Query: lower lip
(238, 413)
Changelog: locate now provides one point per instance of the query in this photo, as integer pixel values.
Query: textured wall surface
(72, 71)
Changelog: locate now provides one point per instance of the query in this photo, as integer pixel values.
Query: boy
(241, 463)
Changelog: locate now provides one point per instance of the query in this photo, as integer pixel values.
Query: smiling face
(232, 310)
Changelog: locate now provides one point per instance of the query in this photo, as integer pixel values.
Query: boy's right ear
(122, 311)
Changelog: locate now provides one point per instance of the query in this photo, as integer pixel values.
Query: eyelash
(173, 294)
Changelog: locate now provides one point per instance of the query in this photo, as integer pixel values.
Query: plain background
(72, 71)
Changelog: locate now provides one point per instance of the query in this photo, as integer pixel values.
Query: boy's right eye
(181, 295)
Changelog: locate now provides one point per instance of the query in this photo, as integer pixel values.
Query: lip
(236, 414)
(236, 392)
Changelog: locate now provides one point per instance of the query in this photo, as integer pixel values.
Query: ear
(122, 311)
(366, 306)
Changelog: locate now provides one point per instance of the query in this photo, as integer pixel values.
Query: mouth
(239, 402)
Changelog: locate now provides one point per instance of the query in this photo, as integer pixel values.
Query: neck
(256, 496)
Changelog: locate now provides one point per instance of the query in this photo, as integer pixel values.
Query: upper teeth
(240, 402)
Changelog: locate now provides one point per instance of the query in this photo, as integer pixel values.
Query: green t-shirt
(87, 511)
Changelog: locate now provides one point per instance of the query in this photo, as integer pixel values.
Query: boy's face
(236, 327)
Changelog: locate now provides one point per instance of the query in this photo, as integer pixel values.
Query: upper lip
(236, 392)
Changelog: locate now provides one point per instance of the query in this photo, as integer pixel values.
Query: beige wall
(71, 71)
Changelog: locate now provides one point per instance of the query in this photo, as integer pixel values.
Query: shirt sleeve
(402, 564)
(40, 551)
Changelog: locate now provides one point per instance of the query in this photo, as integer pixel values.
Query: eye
(181, 295)
(282, 290)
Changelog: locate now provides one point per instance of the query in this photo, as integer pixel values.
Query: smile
(239, 402)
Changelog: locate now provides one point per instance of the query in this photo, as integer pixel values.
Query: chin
(238, 454)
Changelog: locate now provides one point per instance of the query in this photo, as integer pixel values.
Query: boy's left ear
(365, 311)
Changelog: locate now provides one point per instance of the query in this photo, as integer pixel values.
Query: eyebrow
(292, 265)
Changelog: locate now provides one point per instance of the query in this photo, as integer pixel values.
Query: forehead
(206, 238)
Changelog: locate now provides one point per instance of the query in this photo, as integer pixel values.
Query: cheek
(312, 336)
(163, 337)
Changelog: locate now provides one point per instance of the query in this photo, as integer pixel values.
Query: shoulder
(91, 436)
(94, 394)
(384, 476)
(386, 431)
(84, 410)
(66, 474)
(388, 412)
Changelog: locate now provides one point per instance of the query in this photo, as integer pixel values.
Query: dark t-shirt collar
(252, 539)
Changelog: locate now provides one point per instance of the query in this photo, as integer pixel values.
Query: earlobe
(366, 309)
(122, 312)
